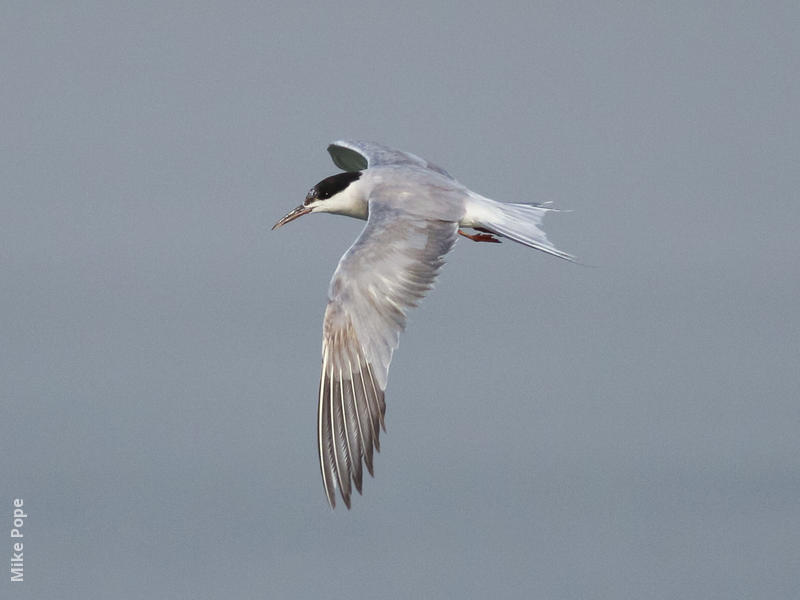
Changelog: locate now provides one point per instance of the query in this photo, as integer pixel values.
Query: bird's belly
(478, 211)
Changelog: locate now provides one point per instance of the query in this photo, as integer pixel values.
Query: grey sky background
(554, 431)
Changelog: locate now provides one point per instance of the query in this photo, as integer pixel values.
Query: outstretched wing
(353, 155)
(388, 269)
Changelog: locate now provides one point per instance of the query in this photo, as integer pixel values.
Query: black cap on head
(330, 186)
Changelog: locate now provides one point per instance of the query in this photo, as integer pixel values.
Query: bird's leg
(480, 237)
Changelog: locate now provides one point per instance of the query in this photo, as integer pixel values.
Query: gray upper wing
(388, 269)
(354, 155)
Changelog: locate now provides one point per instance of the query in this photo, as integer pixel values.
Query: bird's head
(333, 194)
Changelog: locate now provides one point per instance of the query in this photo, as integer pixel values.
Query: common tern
(414, 211)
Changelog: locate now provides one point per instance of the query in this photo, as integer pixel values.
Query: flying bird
(414, 211)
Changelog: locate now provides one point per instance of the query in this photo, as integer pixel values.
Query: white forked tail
(518, 222)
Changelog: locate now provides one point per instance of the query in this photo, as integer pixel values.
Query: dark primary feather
(387, 270)
(355, 155)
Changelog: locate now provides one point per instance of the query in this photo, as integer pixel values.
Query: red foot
(480, 237)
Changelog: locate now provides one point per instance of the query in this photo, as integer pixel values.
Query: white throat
(351, 202)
